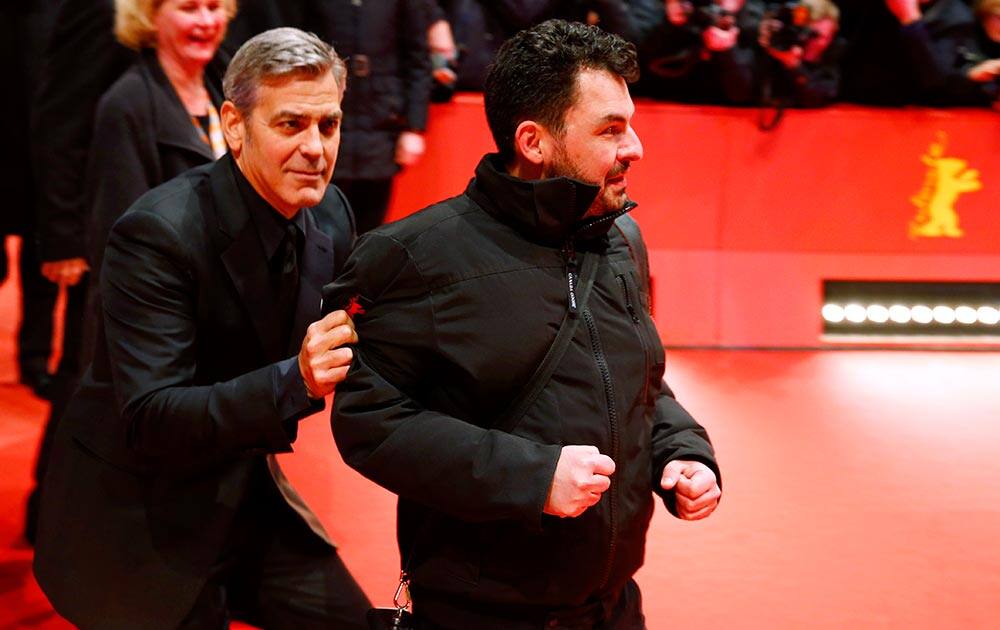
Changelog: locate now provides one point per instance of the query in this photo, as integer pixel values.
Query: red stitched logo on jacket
(354, 307)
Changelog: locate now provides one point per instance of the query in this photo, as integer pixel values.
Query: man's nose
(312, 143)
(631, 148)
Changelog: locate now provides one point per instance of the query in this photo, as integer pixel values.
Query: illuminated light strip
(963, 315)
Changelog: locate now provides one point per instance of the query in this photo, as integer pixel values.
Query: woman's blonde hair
(134, 21)
(821, 9)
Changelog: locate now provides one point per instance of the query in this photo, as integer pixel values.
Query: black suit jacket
(191, 389)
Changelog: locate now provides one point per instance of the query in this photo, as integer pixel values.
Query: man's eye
(289, 125)
(327, 127)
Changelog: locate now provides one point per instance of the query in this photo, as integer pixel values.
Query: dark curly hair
(534, 75)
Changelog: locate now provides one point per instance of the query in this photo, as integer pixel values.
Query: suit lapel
(316, 270)
(243, 257)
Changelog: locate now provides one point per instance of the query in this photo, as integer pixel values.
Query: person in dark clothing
(163, 504)
(799, 60)
(983, 62)
(82, 61)
(875, 69)
(142, 136)
(536, 517)
(159, 119)
(695, 54)
(480, 27)
(24, 31)
(909, 51)
(385, 109)
(934, 35)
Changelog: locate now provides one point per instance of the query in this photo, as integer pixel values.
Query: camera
(707, 13)
(794, 19)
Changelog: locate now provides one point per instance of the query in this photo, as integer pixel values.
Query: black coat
(82, 61)
(481, 26)
(24, 32)
(193, 386)
(143, 136)
(455, 308)
(389, 81)
(889, 64)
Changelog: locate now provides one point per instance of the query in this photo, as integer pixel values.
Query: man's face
(286, 146)
(597, 144)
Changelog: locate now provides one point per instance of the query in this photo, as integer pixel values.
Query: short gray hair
(274, 54)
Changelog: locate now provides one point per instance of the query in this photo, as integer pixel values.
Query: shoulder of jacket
(178, 201)
(127, 95)
(429, 226)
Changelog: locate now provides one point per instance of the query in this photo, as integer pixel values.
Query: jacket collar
(548, 211)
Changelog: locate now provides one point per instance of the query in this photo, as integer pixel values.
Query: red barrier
(744, 225)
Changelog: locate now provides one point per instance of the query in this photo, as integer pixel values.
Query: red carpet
(861, 491)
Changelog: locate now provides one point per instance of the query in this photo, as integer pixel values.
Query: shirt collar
(270, 223)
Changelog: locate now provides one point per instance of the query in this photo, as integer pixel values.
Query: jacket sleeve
(63, 117)
(150, 315)
(384, 431)
(676, 435)
(415, 63)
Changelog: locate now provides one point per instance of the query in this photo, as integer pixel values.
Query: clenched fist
(582, 476)
(322, 361)
(695, 487)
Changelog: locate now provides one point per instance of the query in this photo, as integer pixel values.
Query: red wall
(744, 225)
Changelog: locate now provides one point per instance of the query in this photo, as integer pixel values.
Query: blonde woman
(157, 120)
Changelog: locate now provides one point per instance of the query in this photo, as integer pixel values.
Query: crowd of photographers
(800, 53)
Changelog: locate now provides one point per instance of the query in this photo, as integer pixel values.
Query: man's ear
(233, 127)
(531, 142)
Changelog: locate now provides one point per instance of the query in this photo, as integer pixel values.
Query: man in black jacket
(163, 504)
(537, 519)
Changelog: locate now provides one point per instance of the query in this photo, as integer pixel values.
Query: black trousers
(38, 299)
(277, 574)
(369, 200)
(623, 612)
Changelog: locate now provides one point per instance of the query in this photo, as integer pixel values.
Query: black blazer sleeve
(151, 315)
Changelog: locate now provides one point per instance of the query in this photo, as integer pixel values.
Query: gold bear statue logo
(947, 178)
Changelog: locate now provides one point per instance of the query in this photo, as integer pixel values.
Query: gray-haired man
(164, 506)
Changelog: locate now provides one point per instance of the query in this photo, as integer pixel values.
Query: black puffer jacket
(455, 307)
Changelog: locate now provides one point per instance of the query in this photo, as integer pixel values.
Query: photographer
(695, 50)
(938, 37)
(799, 64)
(984, 62)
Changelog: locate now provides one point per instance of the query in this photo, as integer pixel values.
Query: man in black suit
(164, 506)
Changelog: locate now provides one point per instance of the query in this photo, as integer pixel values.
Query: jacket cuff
(291, 402)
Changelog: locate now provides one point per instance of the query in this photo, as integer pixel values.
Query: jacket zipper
(640, 330)
(628, 298)
(609, 393)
